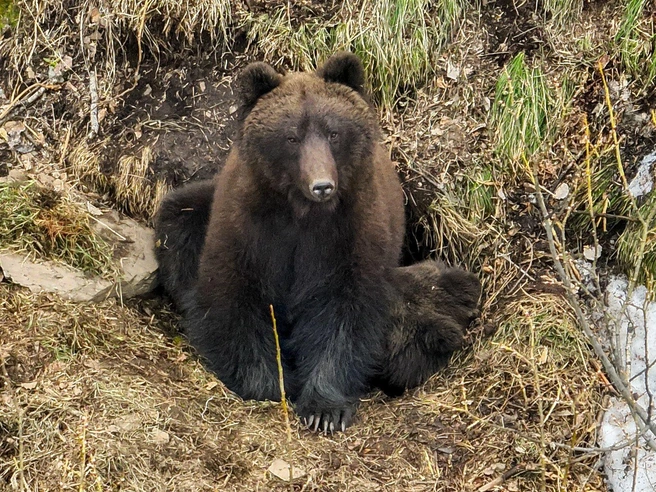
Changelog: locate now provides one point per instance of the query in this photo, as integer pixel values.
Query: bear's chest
(294, 258)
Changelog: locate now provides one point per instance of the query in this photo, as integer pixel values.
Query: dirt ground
(109, 397)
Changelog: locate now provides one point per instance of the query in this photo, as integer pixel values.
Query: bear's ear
(344, 68)
(256, 80)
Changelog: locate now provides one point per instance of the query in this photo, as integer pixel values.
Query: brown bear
(307, 215)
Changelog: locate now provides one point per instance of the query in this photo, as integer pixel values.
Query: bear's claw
(330, 421)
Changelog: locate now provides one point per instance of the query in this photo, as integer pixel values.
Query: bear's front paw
(327, 419)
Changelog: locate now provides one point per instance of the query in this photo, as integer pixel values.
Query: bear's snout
(318, 170)
(322, 189)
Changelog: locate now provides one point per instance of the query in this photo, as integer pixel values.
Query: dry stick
(588, 173)
(502, 478)
(613, 129)
(93, 91)
(19, 99)
(281, 382)
(618, 381)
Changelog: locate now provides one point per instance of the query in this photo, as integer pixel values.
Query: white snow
(643, 181)
(636, 335)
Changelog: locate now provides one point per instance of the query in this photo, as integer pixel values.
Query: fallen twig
(24, 99)
(502, 478)
(93, 91)
(281, 382)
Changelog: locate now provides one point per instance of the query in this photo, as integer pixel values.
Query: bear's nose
(323, 189)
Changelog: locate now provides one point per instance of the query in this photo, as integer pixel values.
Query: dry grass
(134, 187)
(150, 22)
(95, 397)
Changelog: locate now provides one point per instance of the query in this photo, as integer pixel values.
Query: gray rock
(132, 246)
(49, 276)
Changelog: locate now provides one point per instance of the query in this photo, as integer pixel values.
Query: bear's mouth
(302, 203)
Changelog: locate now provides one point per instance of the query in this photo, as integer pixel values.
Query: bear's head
(308, 136)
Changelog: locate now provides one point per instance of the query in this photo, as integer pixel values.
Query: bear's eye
(333, 136)
(292, 140)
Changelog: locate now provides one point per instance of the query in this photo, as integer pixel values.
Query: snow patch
(635, 333)
(643, 181)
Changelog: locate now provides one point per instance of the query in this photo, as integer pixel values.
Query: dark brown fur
(327, 263)
(432, 308)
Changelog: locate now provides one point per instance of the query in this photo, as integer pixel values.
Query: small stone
(14, 176)
(132, 244)
(48, 276)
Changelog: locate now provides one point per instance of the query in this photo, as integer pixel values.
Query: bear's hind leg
(433, 307)
(180, 228)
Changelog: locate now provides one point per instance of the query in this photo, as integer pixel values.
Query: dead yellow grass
(96, 397)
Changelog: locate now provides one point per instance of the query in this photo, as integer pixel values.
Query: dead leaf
(14, 127)
(590, 254)
(93, 210)
(28, 386)
(452, 71)
(280, 468)
(562, 191)
(160, 437)
(94, 13)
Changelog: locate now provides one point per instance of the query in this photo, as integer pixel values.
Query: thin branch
(93, 92)
(283, 397)
(618, 381)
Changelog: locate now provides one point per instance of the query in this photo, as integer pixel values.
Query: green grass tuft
(636, 41)
(629, 244)
(397, 40)
(8, 14)
(44, 224)
(521, 110)
(480, 194)
(561, 12)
